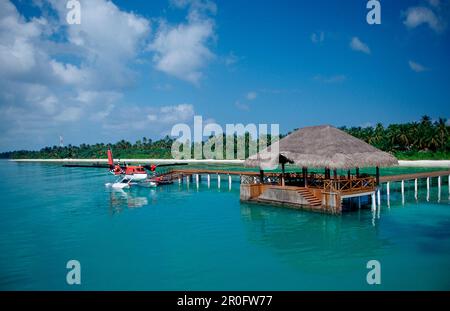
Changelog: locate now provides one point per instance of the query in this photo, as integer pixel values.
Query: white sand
(425, 163)
(143, 161)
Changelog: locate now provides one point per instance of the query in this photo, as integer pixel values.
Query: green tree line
(414, 140)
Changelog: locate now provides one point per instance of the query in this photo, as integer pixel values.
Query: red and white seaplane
(134, 174)
(130, 175)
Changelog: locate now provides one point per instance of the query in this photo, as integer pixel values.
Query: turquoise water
(177, 238)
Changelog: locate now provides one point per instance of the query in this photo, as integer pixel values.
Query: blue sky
(136, 68)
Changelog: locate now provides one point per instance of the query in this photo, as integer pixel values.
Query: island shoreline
(403, 163)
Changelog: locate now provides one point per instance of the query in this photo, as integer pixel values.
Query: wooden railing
(339, 184)
(349, 185)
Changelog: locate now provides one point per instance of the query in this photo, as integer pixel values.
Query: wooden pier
(383, 179)
(324, 148)
(321, 192)
(412, 176)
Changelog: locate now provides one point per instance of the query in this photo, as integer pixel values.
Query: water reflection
(312, 241)
(120, 199)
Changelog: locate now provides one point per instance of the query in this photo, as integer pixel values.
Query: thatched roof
(323, 146)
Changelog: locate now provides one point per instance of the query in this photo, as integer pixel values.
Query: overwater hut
(322, 152)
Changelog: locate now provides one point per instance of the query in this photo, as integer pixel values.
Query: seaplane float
(131, 175)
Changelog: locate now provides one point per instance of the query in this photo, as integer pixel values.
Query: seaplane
(131, 175)
(135, 175)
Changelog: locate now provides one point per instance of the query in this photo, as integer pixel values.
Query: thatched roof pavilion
(323, 146)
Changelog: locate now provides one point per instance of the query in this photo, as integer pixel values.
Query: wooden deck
(383, 179)
(413, 176)
(213, 172)
(320, 193)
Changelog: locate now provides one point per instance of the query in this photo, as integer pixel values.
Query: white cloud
(416, 66)
(251, 95)
(59, 79)
(49, 104)
(68, 73)
(231, 59)
(108, 40)
(18, 52)
(175, 114)
(241, 106)
(317, 37)
(416, 16)
(69, 114)
(182, 50)
(39, 93)
(196, 7)
(357, 45)
(157, 119)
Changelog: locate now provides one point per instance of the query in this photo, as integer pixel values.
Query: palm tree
(426, 120)
(442, 130)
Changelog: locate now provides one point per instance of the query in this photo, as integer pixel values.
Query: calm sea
(180, 238)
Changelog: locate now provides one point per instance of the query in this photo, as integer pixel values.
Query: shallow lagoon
(173, 237)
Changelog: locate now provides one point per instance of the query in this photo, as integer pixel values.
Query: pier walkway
(383, 179)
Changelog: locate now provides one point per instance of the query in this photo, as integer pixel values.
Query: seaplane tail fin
(110, 160)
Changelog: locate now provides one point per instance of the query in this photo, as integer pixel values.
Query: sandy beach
(143, 161)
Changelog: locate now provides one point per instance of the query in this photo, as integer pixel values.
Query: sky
(136, 68)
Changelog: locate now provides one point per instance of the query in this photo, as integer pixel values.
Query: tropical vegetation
(425, 139)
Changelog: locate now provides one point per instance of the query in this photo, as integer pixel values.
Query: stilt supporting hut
(326, 156)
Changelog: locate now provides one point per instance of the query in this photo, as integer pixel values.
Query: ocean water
(177, 237)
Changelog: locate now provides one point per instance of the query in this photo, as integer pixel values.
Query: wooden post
(373, 202)
(428, 188)
(218, 181)
(403, 192)
(348, 174)
(304, 176)
(377, 176)
(357, 172)
(415, 188)
(261, 176)
(439, 188)
(379, 197)
(388, 194)
(335, 173)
